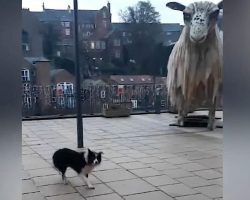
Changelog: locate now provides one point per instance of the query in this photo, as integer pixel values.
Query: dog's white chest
(87, 169)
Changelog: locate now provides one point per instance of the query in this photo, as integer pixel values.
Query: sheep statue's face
(200, 18)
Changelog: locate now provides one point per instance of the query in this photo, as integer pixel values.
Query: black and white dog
(81, 162)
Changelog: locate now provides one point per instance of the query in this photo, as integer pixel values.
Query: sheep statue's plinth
(195, 63)
(196, 121)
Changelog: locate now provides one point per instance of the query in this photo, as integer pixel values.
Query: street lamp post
(78, 81)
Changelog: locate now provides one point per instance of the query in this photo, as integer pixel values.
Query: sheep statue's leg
(180, 120)
(182, 112)
(211, 114)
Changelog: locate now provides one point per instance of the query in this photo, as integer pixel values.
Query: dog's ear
(100, 153)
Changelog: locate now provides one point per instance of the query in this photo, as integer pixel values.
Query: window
(92, 45)
(67, 24)
(67, 31)
(25, 47)
(129, 41)
(58, 53)
(103, 45)
(85, 44)
(25, 75)
(105, 24)
(124, 34)
(25, 37)
(90, 26)
(86, 34)
(117, 42)
(117, 54)
(26, 87)
(104, 14)
(98, 45)
(168, 33)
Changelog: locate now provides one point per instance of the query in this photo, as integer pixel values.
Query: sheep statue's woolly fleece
(196, 61)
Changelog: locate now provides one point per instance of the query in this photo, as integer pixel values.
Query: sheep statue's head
(200, 18)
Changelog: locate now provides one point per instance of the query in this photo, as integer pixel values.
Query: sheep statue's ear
(220, 5)
(176, 6)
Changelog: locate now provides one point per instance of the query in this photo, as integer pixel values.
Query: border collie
(81, 162)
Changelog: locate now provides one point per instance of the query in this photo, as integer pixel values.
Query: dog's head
(92, 158)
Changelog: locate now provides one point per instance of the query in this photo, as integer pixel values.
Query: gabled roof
(33, 60)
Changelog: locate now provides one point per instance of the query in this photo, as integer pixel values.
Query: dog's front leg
(86, 180)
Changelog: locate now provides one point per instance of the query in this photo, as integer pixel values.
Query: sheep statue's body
(195, 63)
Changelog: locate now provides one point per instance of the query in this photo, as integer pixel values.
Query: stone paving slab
(133, 186)
(157, 195)
(106, 197)
(73, 196)
(144, 159)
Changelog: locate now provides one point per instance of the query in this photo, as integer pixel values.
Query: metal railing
(49, 100)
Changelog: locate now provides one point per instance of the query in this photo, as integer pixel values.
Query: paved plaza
(144, 159)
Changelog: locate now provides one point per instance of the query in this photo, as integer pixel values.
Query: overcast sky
(167, 15)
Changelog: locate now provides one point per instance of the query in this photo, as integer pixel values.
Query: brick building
(31, 35)
(99, 38)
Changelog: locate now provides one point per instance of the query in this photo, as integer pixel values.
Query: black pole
(78, 81)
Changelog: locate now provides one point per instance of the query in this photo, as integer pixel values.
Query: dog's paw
(91, 187)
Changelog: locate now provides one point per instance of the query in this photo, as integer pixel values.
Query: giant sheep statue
(196, 61)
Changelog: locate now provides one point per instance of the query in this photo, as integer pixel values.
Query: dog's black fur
(64, 158)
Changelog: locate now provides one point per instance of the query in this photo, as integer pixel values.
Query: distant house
(31, 35)
(36, 71)
(101, 39)
(93, 26)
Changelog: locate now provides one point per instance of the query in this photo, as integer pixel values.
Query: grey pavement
(144, 158)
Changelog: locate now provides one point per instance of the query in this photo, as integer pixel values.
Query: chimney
(109, 9)
(108, 5)
(43, 6)
(69, 10)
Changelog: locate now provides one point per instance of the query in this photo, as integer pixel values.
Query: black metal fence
(51, 100)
